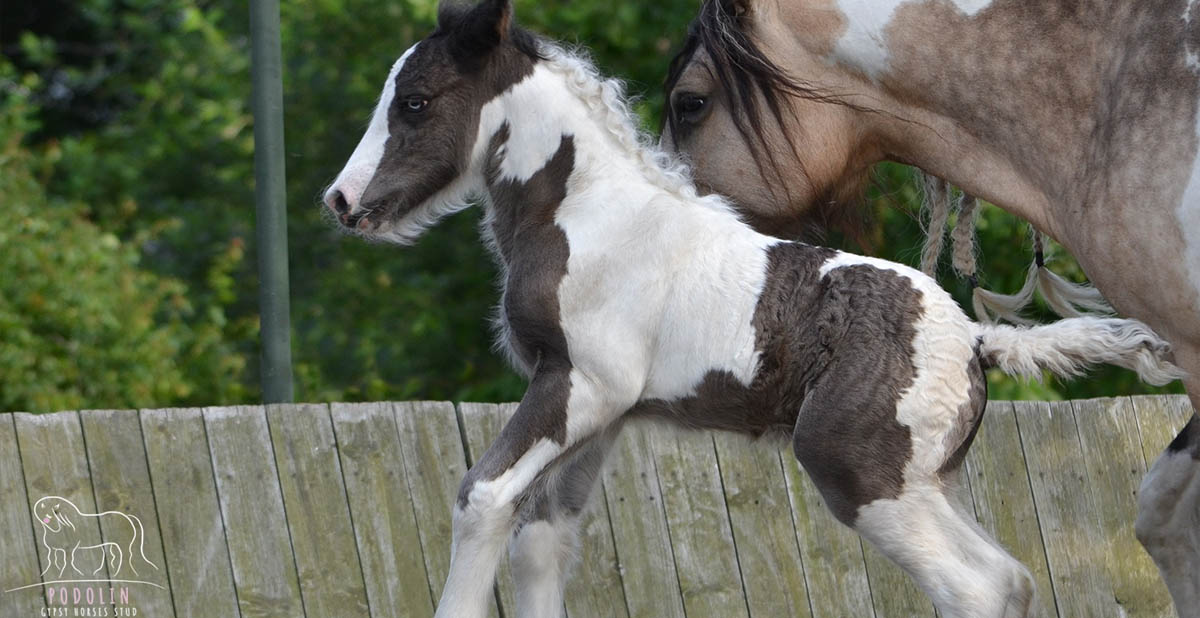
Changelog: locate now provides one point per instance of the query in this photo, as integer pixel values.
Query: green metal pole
(271, 203)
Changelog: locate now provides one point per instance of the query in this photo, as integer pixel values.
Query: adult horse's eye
(415, 104)
(689, 104)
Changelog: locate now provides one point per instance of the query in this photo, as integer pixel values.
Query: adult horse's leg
(556, 413)
(1168, 519)
(911, 516)
(546, 542)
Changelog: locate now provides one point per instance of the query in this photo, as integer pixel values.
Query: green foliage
(128, 213)
(81, 323)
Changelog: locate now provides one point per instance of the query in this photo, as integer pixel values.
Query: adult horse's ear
(480, 27)
(735, 8)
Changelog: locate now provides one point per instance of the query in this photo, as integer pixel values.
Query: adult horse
(1079, 116)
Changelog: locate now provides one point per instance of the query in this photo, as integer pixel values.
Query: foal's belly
(722, 402)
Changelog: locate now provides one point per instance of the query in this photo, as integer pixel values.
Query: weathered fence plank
(307, 511)
(639, 528)
(20, 567)
(260, 553)
(1065, 510)
(833, 557)
(310, 478)
(435, 462)
(1112, 454)
(189, 516)
(756, 495)
(1004, 499)
(385, 523)
(1159, 419)
(116, 457)
(595, 589)
(56, 465)
(698, 522)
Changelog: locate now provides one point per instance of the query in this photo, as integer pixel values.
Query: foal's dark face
(418, 158)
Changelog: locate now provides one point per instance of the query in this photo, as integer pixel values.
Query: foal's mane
(607, 100)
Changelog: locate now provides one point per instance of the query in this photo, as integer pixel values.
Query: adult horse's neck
(1027, 103)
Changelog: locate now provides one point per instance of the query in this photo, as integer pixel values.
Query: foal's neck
(554, 150)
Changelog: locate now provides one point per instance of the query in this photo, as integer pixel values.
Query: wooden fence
(343, 510)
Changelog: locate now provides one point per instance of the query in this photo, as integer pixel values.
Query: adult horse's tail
(1068, 347)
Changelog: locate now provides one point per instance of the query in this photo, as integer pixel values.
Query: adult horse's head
(422, 154)
(779, 146)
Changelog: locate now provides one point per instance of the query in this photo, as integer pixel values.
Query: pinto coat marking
(627, 294)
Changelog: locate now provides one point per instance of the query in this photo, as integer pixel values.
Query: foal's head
(752, 131)
(422, 154)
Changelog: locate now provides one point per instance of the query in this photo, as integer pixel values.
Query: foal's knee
(481, 508)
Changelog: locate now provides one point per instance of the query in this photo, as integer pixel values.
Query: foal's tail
(1068, 347)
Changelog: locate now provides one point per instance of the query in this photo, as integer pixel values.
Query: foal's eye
(415, 104)
(687, 104)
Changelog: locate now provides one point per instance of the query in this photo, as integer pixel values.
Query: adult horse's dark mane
(755, 87)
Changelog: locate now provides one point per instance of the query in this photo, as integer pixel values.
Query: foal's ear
(481, 27)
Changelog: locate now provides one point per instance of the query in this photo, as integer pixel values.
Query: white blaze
(357, 173)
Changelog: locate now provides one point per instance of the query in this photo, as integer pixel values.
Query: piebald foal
(627, 295)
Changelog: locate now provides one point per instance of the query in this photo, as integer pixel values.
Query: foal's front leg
(485, 512)
(546, 542)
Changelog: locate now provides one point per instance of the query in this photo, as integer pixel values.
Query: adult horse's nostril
(336, 202)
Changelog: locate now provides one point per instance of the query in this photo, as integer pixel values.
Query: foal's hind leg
(963, 571)
(889, 480)
(1168, 519)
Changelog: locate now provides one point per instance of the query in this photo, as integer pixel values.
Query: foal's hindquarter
(624, 300)
(1083, 117)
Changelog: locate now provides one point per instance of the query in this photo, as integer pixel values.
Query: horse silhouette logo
(59, 518)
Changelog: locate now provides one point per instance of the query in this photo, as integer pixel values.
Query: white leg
(478, 543)
(483, 521)
(541, 554)
(952, 560)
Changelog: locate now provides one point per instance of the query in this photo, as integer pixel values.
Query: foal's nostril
(336, 202)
